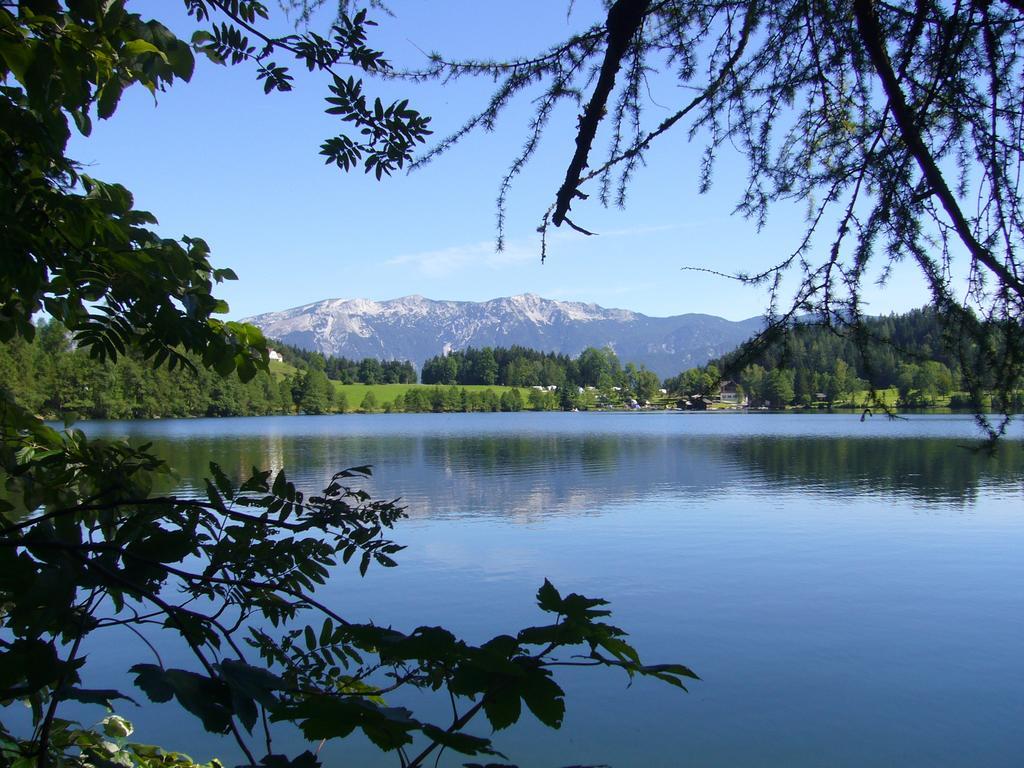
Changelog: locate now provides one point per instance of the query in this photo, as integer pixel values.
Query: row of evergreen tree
(812, 364)
(876, 356)
(453, 399)
(369, 370)
(518, 366)
(53, 378)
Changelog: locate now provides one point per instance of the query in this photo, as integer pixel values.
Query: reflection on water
(925, 469)
(483, 471)
(785, 558)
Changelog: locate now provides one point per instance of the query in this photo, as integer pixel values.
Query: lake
(851, 593)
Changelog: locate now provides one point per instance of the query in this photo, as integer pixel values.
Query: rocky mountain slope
(415, 328)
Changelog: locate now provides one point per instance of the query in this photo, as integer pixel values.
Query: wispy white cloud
(601, 293)
(445, 261)
(649, 230)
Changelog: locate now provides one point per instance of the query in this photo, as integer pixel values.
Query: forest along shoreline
(811, 369)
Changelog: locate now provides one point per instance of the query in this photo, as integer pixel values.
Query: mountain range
(416, 328)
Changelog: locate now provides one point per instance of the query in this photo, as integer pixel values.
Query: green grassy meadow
(279, 369)
(384, 393)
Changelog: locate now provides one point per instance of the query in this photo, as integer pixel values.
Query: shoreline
(858, 412)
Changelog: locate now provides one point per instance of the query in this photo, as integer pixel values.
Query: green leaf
(180, 57)
(502, 706)
(110, 95)
(424, 644)
(150, 678)
(280, 484)
(162, 546)
(222, 480)
(206, 698)
(541, 635)
(94, 696)
(544, 697)
(326, 632)
(460, 742)
(548, 598)
(17, 55)
(669, 673)
(328, 717)
(306, 760)
(620, 649)
(214, 496)
(244, 708)
(139, 47)
(116, 727)
(255, 682)
(82, 121)
(224, 364)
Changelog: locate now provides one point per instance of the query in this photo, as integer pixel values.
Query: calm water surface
(852, 594)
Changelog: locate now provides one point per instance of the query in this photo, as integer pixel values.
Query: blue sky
(217, 158)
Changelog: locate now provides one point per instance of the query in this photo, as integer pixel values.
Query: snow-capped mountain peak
(416, 328)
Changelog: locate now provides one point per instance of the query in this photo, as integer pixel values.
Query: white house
(729, 392)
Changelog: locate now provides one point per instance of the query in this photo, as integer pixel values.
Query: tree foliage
(53, 379)
(518, 366)
(89, 547)
(899, 125)
(910, 352)
(366, 371)
(74, 246)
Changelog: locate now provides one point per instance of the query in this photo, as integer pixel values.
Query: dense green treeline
(511, 367)
(810, 364)
(53, 378)
(888, 343)
(453, 399)
(369, 370)
(523, 367)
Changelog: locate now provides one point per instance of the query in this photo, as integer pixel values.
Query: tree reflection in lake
(479, 469)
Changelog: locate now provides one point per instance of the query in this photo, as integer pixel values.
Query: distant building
(692, 403)
(729, 392)
(273, 354)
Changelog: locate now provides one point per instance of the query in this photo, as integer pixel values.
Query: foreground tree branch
(805, 95)
(872, 37)
(624, 20)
